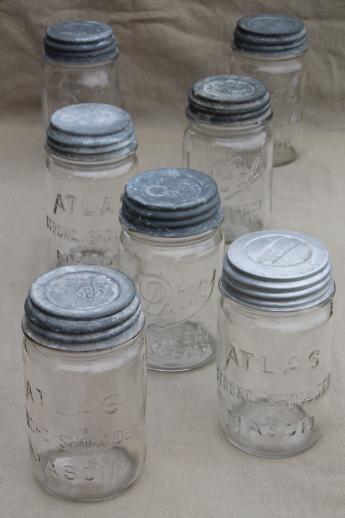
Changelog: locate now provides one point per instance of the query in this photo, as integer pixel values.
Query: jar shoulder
(288, 321)
(68, 169)
(221, 137)
(187, 250)
(91, 362)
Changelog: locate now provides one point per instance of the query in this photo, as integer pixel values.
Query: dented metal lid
(229, 99)
(171, 203)
(82, 308)
(80, 41)
(91, 132)
(277, 270)
(272, 34)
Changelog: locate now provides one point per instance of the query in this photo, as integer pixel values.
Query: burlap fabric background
(191, 470)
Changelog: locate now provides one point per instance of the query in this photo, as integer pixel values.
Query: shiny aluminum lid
(277, 270)
(90, 132)
(229, 99)
(82, 308)
(81, 41)
(171, 203)
(272, 34)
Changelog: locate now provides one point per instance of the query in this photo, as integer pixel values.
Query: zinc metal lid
(81, 41)
(82, 308)
(171, 203)
(90, 132)
(229, 99)
(273, 34)
(277, 270)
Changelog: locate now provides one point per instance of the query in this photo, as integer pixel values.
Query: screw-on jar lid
(277, 270)
(229, 100)
(82, 308)
(90, 132)
(273, 34)
(81, 42)
(171, 203)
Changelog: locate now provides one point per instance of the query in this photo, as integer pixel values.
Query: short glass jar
(271, 47)
(274, 342)
(229, 137)
(90, 157)
(85, 381)
(172, 246)
(79, 66)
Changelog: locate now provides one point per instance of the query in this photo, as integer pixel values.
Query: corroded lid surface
(275, 34)
(82, 308)
(91, 131)
(80, 42)
(171, 203)
(277, 270)
(229, 99)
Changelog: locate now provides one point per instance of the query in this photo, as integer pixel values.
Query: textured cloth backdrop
(165, 45)
(191, 470)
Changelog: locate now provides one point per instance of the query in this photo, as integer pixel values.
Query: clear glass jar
(274, 346)
(79, 66)
(282, 68)
(240, 160)
(232, 147)
(175, 269)
(85, 402)
(84, 190)
(177, 282)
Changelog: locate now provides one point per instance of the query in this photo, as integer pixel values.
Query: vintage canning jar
(229, 138)
(79, 65)
(274, 342)
(85, 381)
(271, 47)
(90, 157)
(172, 246)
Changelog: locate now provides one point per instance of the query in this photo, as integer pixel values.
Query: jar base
(269, 455)
(283, 154)
(179, 348)
(270, 431)
(83, 478)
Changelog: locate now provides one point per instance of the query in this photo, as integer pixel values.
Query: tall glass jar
(85, 381)
(274, 342)
(79, 66)
(229, 137)
(90, 157)
(172, 246)
(271, 47)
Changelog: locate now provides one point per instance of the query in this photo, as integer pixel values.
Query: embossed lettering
(59, 204)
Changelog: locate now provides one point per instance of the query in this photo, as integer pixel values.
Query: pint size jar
(90, 157)
(229, 138)
(271, 47)
(85, 381)
(171, 245)
(79, 65)
(274, 342)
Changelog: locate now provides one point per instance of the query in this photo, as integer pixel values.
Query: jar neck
(92, 355)
(150, 240)
(78, 66)
(104, 164)
(228, 130)
(247, 310)
(268, 56)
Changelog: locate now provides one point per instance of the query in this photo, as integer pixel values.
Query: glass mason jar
(90, 157)
(171, 245)
(229, 137)
(274, 342)
(79, 66)
(271, 47)
(85, 381)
